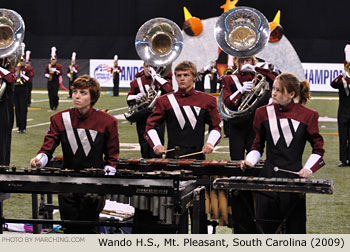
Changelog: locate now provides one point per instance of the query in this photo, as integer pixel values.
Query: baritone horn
(243, 32)
(11, 37)
(158, 42)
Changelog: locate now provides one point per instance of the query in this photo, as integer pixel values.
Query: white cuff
(47, 75)
(153, 135)
(311, 161)
(68, 75)
(214, 137)
(235, 94)
(160, 80)
(75, 70)
(131, 97)
(4, 71)
(109, 170)
(253, 157)
(42, 157)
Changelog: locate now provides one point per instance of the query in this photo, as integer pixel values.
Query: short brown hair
(187, 65)
(85, 81)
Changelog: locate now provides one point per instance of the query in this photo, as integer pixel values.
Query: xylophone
(298, 185)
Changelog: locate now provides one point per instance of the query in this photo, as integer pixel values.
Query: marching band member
(72, 72)
(89, 138)
(241, 134)
(138, 92)
(30, 73)
(7, 79)
(285, 126)
(52, 72)
(23, 76)
(342, 83)
(116, 70)
(186, 112)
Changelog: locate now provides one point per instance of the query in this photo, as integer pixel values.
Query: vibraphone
(297, 185)
(167, 194)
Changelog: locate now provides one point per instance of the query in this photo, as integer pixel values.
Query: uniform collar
(86, 115)
(183, 93)
(285, 108)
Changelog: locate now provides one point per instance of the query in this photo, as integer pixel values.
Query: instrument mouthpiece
(275, 169)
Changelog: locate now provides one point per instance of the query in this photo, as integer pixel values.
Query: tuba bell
(243, 32)
(158, 42)
(11, 37)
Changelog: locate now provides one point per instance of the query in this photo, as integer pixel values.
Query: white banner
(101, 70)
(320, 75)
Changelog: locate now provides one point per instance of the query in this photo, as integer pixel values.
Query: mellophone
(296, 185)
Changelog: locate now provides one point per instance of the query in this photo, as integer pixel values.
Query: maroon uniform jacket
(343, 85)
(285, 129)
(146, 81)
(28, 72)
(231, 83)
(84, 138)
(75, 70)
(186, 115)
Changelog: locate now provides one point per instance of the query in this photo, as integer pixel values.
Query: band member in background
(23, 75)
(285, 126)
(7, 79)
(99, 147)
(30, 73)
(52, 72)
(138, 93)
(72, 72)
(342, 83)
(213, 77)
(241, 134)
(116, 70)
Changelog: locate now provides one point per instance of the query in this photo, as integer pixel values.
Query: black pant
(344, 135)
(81, 208)
(69, 88)
(199, 85)
(29, 93)
(20, 100)
(213, 84)
(6, 124)
(146, 149)
(273, 207)
(116, 85)
(52, 88)
(241, 139)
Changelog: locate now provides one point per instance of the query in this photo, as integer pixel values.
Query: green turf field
(325, 213)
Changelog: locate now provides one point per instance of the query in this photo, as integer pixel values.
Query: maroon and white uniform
(52, 73)
(89, 140)
(186, 115)
(139, 87)
(285, 129)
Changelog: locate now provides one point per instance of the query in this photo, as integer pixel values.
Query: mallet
(276, 169)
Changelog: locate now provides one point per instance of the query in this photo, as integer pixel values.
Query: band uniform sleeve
(259, 140)
(231, 97)
(9, 76)
(46, 69)
(76, 69)
(214, 121)
(112, 145)
(154, 119)
(316, 141)
(59, 68)
(51, 140)
(30, 74)
(337, 83)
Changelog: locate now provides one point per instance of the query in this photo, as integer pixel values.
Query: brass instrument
(243, 32)
(347, 70)
(71, 66)
(11, 36)
(158, 42)
(50, 72)
(19, 65)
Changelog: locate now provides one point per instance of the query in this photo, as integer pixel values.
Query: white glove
(53, 69)
(109, 170)
(25, 77)
(248, 68)
(47, 75)
(152, 71)
(207, 68)
(138, 96)
(247, 86)
(68, 75)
